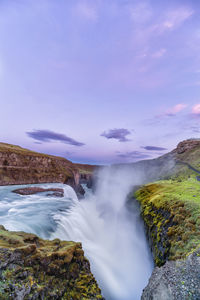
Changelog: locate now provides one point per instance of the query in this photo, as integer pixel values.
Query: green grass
(181, 198)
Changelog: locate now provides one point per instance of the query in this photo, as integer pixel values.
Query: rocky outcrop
(34, 190)
(22, 166)
(187, 145)
(32, 268)
(176, 280)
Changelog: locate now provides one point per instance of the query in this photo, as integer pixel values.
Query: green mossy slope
(171, 212)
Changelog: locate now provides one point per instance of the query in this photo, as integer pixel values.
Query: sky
(99, 81)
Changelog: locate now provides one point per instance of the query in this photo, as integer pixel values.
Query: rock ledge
(32, 268)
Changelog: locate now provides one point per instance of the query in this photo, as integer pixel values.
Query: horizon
(119, 163)
(100, 82)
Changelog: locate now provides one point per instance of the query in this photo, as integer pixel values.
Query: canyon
(169, 207)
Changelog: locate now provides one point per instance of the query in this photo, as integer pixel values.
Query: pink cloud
(173, 110)
(177, 17)
(196, 109)
(177, 108)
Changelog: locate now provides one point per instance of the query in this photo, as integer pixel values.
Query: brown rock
(35, 190)
(22, 166)
(187, 145)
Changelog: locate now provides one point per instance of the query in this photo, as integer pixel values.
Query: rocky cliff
(22, 166)
(32, 268)
(171, 212)
(176, 280)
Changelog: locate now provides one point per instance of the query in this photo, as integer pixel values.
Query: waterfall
(110, 230)
(112, 235)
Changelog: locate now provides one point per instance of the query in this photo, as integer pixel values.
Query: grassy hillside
(182, 201)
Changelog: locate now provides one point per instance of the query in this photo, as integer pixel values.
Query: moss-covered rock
(32, 268)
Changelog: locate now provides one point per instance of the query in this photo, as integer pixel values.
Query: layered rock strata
(22, 166)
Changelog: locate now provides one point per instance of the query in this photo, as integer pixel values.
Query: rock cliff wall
(22, 166)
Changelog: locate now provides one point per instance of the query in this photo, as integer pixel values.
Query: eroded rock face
(187, 145)
(75, 184)
(22, 166)
(176, 280)
(157, 222)
(25, 167)
(32, 268)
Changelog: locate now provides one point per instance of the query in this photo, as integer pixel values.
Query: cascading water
(112, 235)
(111, 231)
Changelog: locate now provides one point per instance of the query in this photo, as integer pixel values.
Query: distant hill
(182, 161)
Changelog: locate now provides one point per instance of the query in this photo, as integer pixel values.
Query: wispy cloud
(171, 20)
(170, 112)
(177, 17)
(133, 155)
(119, 134)
(51, 136)
(153, 148)
(193, 128)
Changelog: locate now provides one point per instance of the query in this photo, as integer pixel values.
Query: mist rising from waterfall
(111, 233)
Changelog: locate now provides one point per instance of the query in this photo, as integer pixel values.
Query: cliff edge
(22, 166)
(33, 268)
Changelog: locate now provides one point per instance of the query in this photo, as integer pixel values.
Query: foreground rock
(32, 268)
(176, 280)
(34, 190)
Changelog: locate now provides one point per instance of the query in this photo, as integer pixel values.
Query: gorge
(108, 224)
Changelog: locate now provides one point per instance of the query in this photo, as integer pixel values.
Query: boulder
(35, 190)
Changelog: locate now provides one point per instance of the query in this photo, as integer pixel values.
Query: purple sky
(99, 81)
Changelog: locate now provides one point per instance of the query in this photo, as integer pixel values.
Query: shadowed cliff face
(22, 166)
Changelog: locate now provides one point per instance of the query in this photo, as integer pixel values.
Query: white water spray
(112, 235)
